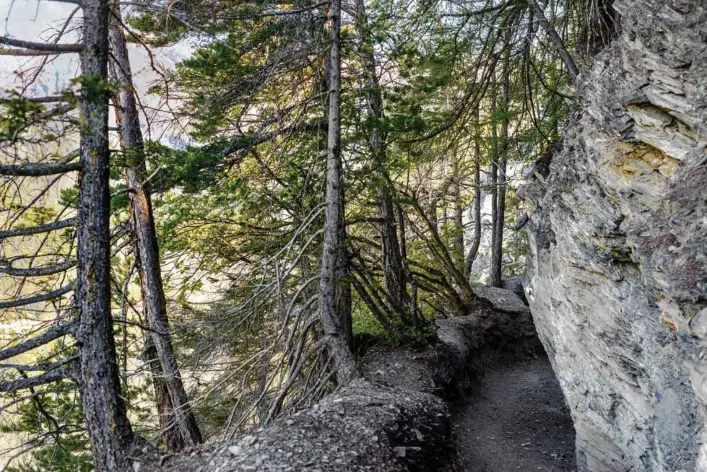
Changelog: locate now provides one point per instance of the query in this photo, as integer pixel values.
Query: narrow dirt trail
(516, 419)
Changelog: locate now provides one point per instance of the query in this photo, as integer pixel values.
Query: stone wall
(616, 276)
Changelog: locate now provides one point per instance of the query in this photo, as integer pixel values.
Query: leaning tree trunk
(104, 410)
(178, 423)
(334, 304)
(393, 267)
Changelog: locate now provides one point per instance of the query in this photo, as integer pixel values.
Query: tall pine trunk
(177, 421)
(495, 256)
(104, 410)
(334, 289)
(393, 266)
(476, 238)
(499, 177)
(458, 211)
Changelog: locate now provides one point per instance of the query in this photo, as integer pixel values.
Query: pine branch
(47, 336)
(46, 99)
(38, 298)
(37, 229)
(42, 47)
(37, 170)
(30, 382)
(38, 271)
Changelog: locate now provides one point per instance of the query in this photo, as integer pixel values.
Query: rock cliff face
(617, 272)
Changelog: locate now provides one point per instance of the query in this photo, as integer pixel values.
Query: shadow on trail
(515, 418)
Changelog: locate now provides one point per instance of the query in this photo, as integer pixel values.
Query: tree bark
(99, 386)
(476, 240)
(393, 267)
(334, 304)
(177, 421)
(500, 183)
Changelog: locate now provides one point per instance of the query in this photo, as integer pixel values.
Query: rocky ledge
(396, 418)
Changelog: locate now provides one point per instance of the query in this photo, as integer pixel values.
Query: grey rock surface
(503, 300)
(618, 231)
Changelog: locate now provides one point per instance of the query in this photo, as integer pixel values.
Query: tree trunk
(494, 188)
(408, 272)
(458, 212)
(335, 302)
(393, 267)
(476, 241)
(572, 68)
(500, 184)
(432, 209)
(178, 423)
(99, 385)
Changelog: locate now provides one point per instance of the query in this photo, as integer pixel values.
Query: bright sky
(36, 20)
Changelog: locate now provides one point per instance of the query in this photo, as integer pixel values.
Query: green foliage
(230, 206)
(164, 33)
(192, 169)
(54, 423)
(94, 88)
(69, 197)
(16, 116)
(365, 323)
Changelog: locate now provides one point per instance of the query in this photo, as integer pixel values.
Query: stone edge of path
(395, 418)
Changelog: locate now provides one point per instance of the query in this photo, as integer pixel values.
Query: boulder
(515, 285)
(501, 299)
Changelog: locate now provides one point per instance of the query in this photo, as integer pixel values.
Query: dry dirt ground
(516, 419)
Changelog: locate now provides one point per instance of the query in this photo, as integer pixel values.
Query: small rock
(235, 450)
(418, 434)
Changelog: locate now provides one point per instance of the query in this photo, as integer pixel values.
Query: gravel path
(516, 419)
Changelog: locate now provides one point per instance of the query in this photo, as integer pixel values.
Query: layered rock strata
(618, 233)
